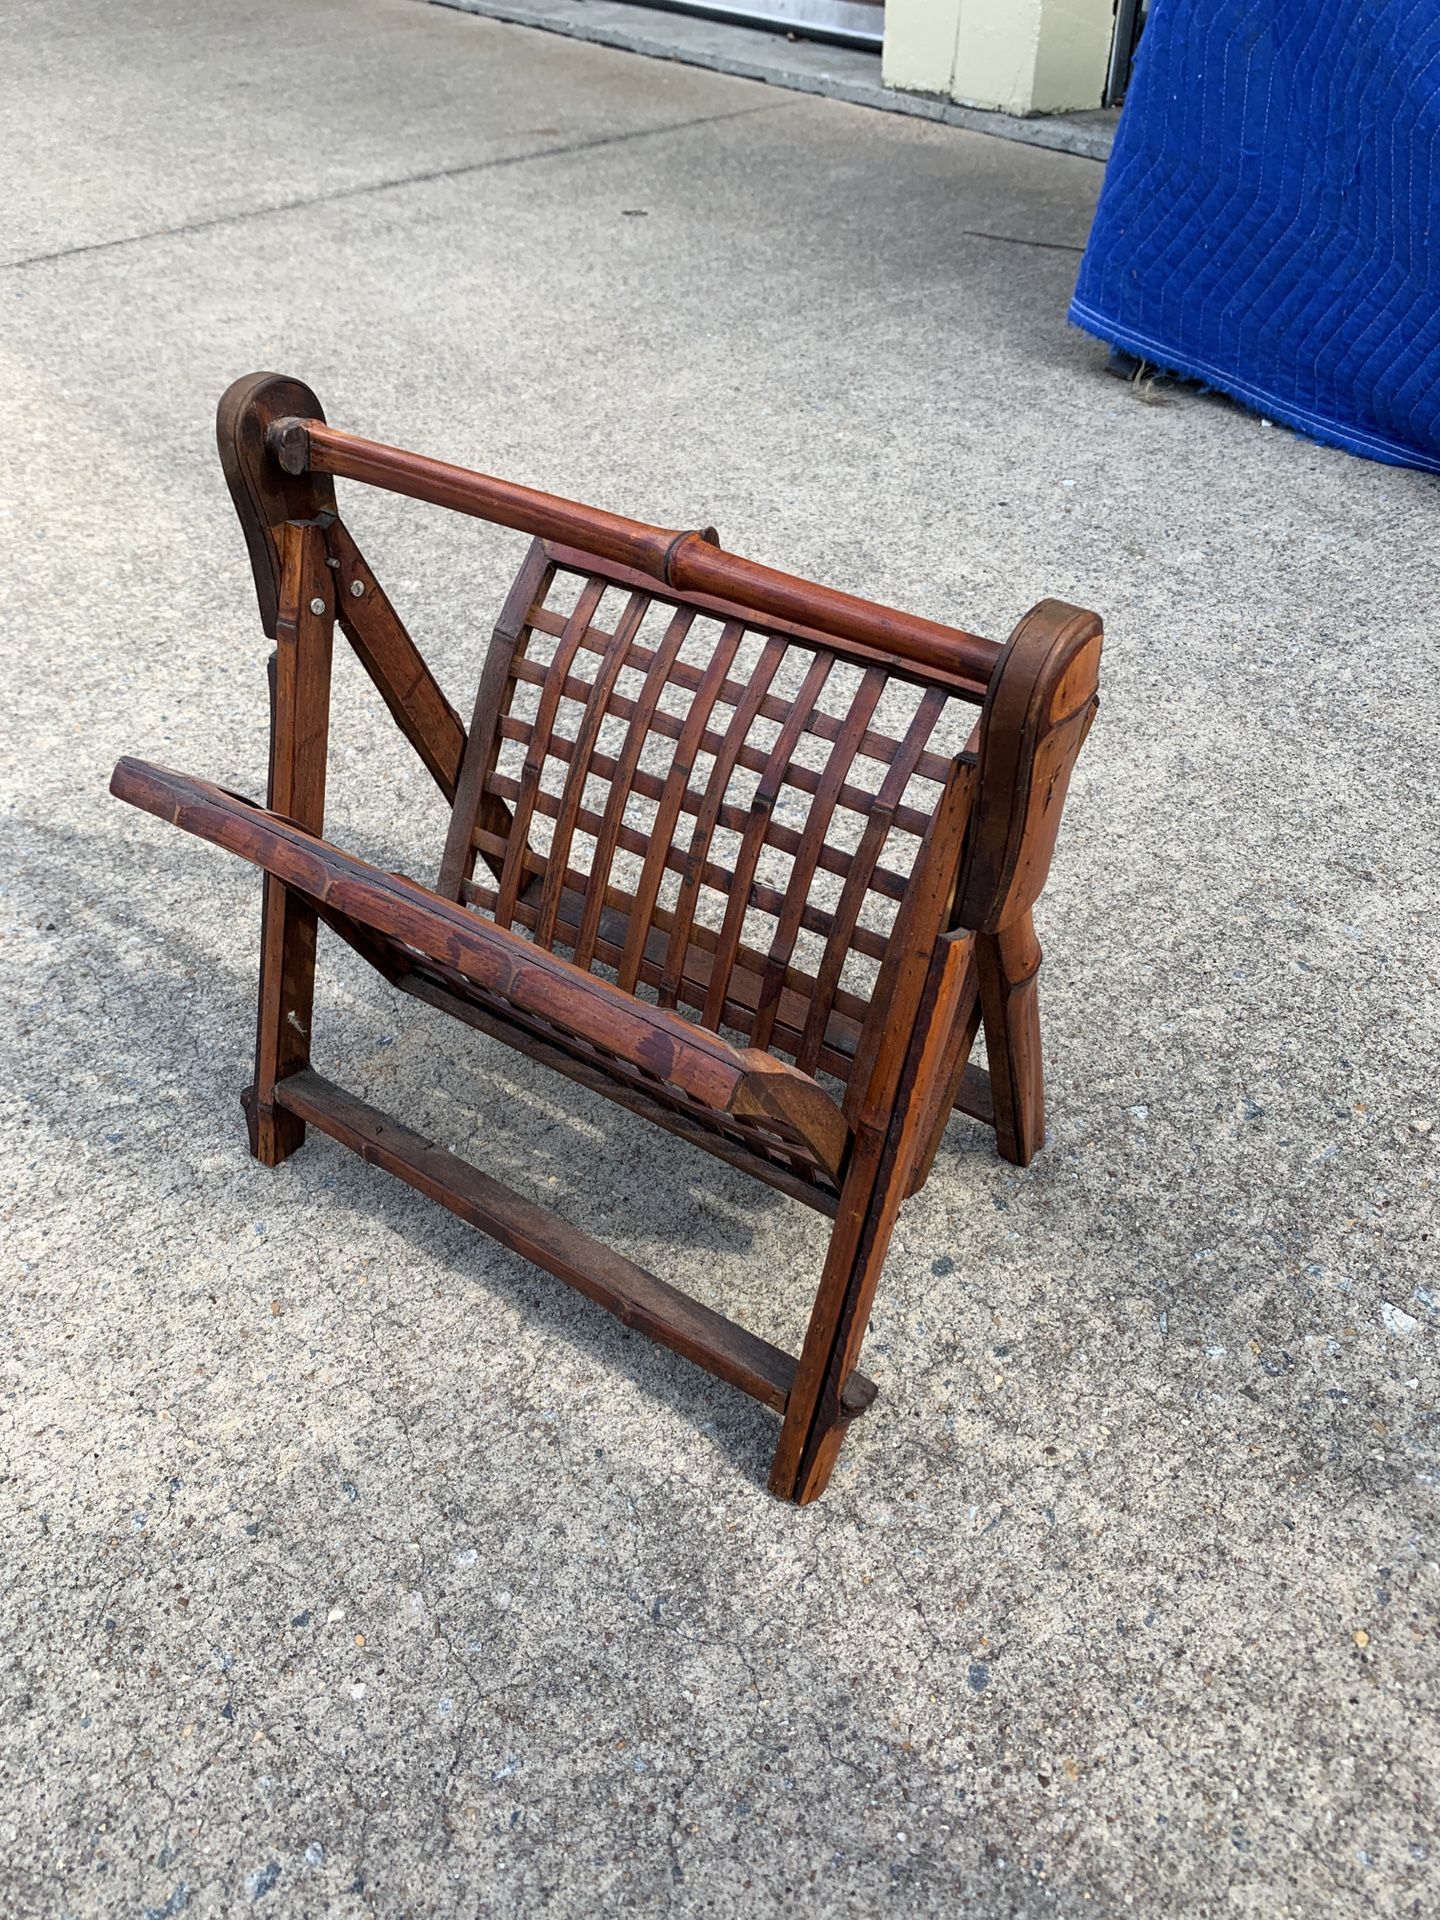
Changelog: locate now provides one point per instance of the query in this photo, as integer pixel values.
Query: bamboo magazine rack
(750, 856)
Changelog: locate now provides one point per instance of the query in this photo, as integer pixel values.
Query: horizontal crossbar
(686, 562)
(636, 1297)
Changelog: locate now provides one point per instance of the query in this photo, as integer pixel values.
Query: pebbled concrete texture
(350, 1566)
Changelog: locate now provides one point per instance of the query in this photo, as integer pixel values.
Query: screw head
(357, 587)
(317, 605)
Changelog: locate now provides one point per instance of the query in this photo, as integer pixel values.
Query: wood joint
(289, 441)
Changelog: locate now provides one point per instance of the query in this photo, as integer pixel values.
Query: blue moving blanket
(1270, 218)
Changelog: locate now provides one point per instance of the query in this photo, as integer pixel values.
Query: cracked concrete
(352, 1567)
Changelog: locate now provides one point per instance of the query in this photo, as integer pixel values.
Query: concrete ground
(783, 60)
(353, 1567)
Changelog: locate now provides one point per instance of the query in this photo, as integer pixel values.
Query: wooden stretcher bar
(637, 1298)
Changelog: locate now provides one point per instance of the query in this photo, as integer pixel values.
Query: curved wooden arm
(1041, 703)
(265, 495)
(1042, 700)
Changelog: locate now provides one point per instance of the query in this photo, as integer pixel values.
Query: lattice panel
(724, 818)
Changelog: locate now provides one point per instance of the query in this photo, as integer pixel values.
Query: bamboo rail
(688, 562)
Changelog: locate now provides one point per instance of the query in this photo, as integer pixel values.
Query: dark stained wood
(807, 855)
(265, 495)
(684, 679)
(861, 874)
(622, 772)
(512, 874)
(842, 1030)
(950, 1069)
(1042, 700)
(578, 770)
(888, 1100)
(670, 745)
(1009, 965)
(741, 889)
(473, 807)
(696, 865)
(822, 1194)
(688, 562)
(672, 798)
(393, 661)
(634, 1296)
(813, 1427)
(742, 1082)
(919, 927)
(299, 731)
(774, 707)
(1041, 704)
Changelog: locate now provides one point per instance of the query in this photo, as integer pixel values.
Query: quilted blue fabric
(1270, 218)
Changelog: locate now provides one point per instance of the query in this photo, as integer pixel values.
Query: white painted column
(1017, 56)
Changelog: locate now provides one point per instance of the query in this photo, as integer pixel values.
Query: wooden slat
(621, 772)
(949, 1068)
(498, 962)
(474, 807)
(863, 868)
(581, 751)
(802, 871)
(899, 992)
(769, 899)
(764, 1115)
(836, 1052)
(814, 1193)
(636, 1297)
(797, 774)
(591, 595)
(695, 866)
(963, 683)
(847, 1015)
(884, 881)
(753, 838)
(911, 1053)
(393, 661)
(826, 726)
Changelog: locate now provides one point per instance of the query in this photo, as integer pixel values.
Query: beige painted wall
(1020, 56)
(920, 41)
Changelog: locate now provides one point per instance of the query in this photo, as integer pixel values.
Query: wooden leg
(950, 1075)
(828, 1432)
(282, 1039)
(299, 730)
(876, 1182)
(1009, 963)
(815, 1420)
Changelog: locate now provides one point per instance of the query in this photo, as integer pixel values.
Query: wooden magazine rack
(726, 846)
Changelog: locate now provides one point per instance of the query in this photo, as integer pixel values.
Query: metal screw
(357, 587)
(317, 605)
